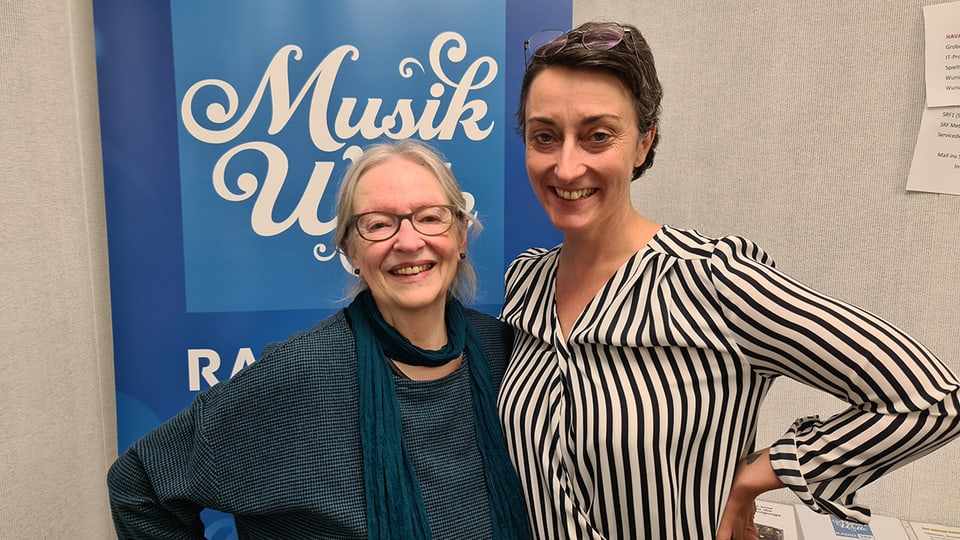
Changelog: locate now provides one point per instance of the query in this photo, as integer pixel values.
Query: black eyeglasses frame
(455, 214)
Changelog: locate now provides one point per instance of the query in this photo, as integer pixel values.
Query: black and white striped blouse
(632, 427)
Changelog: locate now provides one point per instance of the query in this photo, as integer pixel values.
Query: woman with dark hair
(379, 422)
(643, 351)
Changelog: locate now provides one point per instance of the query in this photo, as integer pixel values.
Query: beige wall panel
(57, 420)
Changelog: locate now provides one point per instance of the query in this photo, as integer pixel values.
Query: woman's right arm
(160, 484)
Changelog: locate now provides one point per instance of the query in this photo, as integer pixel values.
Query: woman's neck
(599, 251)
(586, 264)
(427, 329)
(424, 373)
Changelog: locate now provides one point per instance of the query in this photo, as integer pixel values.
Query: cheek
(447, 247)
(538, 163)
(366, 257)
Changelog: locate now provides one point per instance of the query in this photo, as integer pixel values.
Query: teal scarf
(395, 507)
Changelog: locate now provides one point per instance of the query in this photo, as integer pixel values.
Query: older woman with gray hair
(379, 422)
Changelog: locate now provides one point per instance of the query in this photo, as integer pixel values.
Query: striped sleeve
(903, 401)
(528, 281)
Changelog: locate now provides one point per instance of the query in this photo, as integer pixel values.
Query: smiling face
(582, 144)
(411, 272)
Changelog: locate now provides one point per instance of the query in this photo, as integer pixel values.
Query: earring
(356, 271)
(463, 256)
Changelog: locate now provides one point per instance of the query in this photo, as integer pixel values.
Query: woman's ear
(348, 250)
(646, 141)
(462, 242)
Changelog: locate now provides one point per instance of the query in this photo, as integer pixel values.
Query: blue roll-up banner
(226, 127)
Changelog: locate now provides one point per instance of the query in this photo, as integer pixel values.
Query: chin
(566, 225)
(422, 301)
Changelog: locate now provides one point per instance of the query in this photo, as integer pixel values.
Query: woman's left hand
(737, 522)
(754, 475)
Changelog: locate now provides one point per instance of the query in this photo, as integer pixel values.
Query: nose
(570, 164)
(407, 238)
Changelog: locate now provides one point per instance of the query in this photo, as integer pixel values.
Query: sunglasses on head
(600, 37)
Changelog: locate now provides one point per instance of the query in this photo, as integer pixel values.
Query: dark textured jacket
(278, 446)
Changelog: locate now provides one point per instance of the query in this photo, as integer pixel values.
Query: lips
(574, 195)
(411, 270)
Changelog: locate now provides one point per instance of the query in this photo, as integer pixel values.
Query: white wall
(794, 123)
(57, 419)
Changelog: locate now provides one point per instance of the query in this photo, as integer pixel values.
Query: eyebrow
(586, 121)
(410, 207)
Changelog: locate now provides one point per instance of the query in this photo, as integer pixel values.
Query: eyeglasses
(380, 226)
(600, 37)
